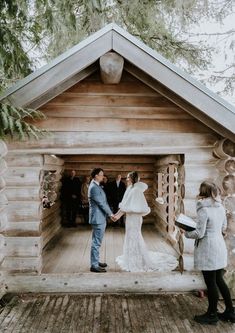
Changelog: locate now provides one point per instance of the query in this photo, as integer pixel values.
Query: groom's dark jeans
(97, 236)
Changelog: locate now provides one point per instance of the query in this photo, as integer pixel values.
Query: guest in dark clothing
(105, 186)
(116, 190)
(84, 199)
(71, 197)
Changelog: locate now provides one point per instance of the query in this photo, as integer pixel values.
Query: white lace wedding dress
(136, 257)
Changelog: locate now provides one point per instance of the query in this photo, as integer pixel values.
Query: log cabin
(113, 102)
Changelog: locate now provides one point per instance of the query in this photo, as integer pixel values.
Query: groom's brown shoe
(103, 264)
(98, 270)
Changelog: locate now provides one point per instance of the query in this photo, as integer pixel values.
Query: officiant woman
(210, 253)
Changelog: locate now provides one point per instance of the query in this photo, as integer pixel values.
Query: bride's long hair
(134, 176)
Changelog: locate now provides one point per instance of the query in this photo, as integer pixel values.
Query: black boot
(227, 315)
(207, 318)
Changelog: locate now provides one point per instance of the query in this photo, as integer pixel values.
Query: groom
(98, 211)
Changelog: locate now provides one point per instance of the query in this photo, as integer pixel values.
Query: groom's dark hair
(95, 172)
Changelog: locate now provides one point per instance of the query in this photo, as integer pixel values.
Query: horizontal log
(18, 176)
(68, 98)
(22, 246)
(121, 112)
(200, 156)
(22, 264)
(121, 125)
(30, 193)
(107, 283)
(24, 211)
(195, 173)
(116, 141)
(24, 226)
(110, 174)
(119, 167)
(109, 158)
(123, 87)
(28, 160)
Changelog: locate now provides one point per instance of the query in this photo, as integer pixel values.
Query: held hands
(113, 218)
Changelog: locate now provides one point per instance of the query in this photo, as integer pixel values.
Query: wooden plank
(24, 211)
(110, 100)
(107, 158)
(161, 313)
(98, 143)
(24, 226)
(108, 282)
(170, 78)
(22, 246)
(121, 125)
(22, 264)
(18, 176)
(96, 86)
(68, 111)
(194, 173)
(110, 167)
(26, 160)
(30, 193)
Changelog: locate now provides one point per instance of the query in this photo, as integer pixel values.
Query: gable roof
(141, 61)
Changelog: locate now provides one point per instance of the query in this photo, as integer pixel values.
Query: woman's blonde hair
(209, 190)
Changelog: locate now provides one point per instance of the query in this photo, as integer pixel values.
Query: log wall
(28, 226)
(127, 118)
(224, 152)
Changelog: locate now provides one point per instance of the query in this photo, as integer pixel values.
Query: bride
(136, 257)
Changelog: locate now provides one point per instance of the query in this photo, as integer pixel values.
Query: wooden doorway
(70, 250)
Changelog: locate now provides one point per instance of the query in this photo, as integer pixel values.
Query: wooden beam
(108, 283)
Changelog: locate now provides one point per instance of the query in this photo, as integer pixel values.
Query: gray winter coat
(210, 251)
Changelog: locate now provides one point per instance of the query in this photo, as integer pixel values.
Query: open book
(185, 222)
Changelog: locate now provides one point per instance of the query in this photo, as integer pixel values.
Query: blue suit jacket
(98, 205)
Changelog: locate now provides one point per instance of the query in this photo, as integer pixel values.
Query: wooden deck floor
(106, 314)
(70, 251)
